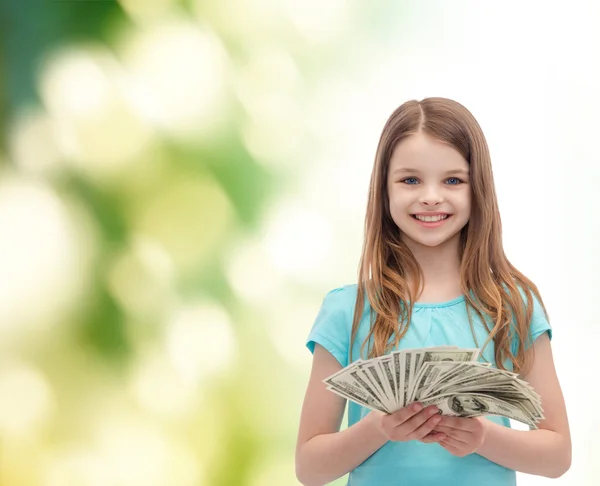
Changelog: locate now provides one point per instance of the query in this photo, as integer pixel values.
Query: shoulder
(538, 322)
(340, 301)
(332, 326)
(344, 294)
(528, 297)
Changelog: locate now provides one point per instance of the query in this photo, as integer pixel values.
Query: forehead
(424, 153)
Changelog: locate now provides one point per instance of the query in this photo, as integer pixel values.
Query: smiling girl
(432, 272)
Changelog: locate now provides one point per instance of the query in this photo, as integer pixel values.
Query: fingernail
(417, 407)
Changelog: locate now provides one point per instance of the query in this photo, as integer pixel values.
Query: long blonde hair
(488, 280)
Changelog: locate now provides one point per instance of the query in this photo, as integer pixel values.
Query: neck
(440, 265)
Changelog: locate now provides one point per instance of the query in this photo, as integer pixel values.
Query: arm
(547, 451)
(544, 452)
(323, 453)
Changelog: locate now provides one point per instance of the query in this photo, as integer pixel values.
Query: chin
(428, 242)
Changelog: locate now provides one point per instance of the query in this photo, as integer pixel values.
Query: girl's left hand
(463, 436)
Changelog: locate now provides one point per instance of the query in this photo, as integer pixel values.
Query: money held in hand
(448, 377)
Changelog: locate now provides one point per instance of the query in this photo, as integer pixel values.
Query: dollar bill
(445, 356)
(352, 378)
(357, 396)
(474, 404)
(452, 378)
(385, 366)
(371, 372)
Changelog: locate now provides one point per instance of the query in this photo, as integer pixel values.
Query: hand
(412, 422)
(463, 435)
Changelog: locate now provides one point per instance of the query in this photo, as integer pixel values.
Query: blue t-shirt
(414, 463)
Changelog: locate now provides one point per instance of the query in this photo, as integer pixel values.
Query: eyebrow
(416, 171)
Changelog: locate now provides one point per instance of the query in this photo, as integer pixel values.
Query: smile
(431, 221)
(439, 217)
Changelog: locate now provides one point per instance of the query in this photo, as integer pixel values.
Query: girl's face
(428, 179)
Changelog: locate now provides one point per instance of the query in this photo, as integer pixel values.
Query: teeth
(431, 219)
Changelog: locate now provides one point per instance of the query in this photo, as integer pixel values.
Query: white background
(529, 73)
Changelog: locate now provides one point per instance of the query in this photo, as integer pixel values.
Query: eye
(408, 180)
(457, 181)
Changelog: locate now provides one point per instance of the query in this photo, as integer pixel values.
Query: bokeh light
(85, 93)
(179, 70)
(27, 400)
(42, 256)
(298, 239)
(200, 327)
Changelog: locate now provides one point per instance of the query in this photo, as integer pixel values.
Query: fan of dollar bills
(446, 376)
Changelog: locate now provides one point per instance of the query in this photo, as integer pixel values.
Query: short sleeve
(539, 323)
(332, 326)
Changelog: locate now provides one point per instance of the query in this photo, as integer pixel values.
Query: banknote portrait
(466, 405)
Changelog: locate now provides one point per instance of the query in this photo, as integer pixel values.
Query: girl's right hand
(409, 423)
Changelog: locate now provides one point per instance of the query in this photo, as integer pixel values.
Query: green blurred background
(157, 273)
(182, 181)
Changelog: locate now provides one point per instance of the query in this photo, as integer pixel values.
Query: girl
(432, 272)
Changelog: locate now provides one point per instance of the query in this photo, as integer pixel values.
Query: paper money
(446, 376)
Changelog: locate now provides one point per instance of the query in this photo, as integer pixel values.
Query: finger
(451, 449)
(461, 423)
(418, 420)
(433, 437)
(460, 435)
(451, 441)
(450, 422)
(397, 418)
(424, 429)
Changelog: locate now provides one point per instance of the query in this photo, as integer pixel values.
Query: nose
(431, 197)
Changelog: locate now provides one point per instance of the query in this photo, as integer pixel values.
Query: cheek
(398, 207)
(398, 199)
(463, 203)
(466, 208)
